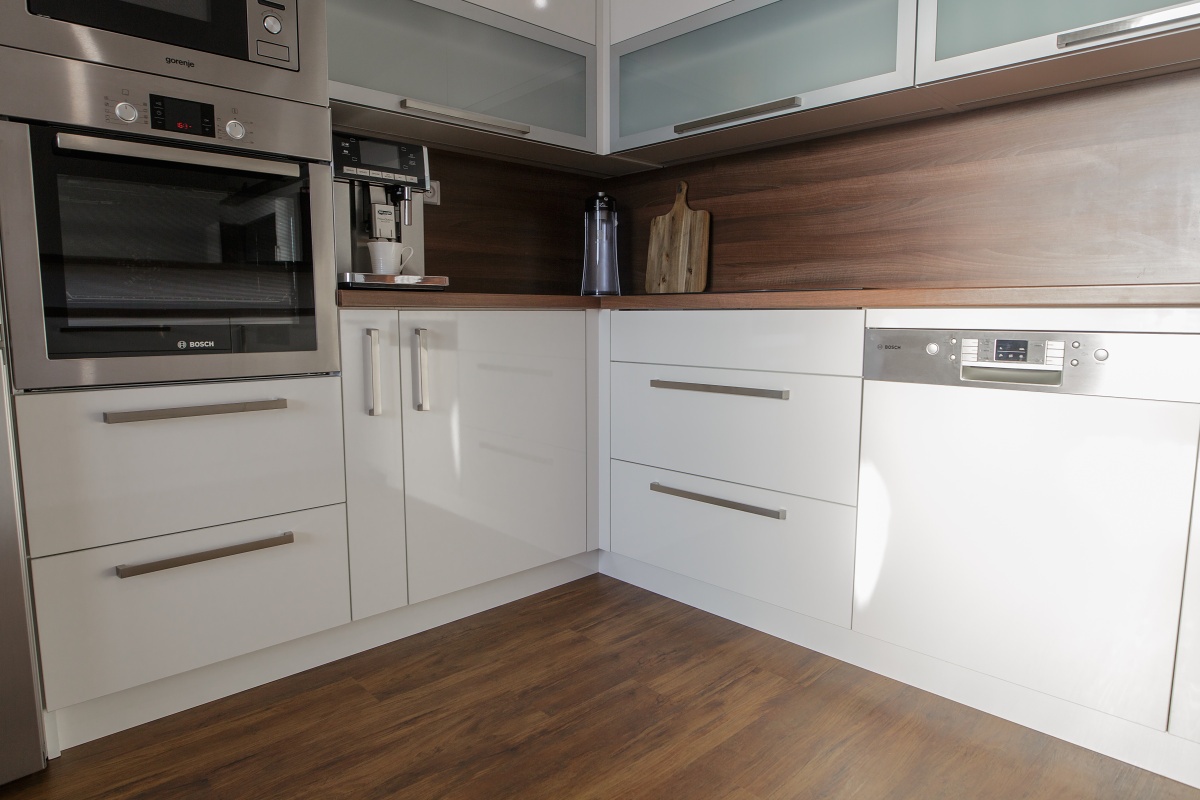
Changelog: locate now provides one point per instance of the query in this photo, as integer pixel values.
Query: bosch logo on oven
(186, 345)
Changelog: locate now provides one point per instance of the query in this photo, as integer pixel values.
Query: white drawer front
(806, 444)
(100, 633)
(824, 342)
(804, 562)
(88, 483)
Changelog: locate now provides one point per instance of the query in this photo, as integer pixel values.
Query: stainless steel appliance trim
(93, 46)
(175, 155)
(377, 281)
(521, 128)
(773, 513)
(774, 394)
(740, 114)
(1129, 25)
(421, 342)
(133, 570)
(376, 408)
(32, 369)
(149, 415)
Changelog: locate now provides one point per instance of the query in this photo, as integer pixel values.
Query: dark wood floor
(593, 690)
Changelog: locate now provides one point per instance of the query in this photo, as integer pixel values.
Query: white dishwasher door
(1035, 537)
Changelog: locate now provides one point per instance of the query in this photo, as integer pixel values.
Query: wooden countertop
(1134, 295)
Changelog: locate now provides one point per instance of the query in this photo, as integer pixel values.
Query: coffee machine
(378, 191)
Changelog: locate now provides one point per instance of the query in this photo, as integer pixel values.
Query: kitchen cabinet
(735, 449)
(1185, 698)
(114, 465)
(101, 630)
(370, 342)
(576, 19)
(1009, 49)
(494, 425)
(457, 62)
(629, 18)
(751, 60)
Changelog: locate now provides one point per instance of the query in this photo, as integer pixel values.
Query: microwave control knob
(126, 112)
(272, 24)
(235, 129)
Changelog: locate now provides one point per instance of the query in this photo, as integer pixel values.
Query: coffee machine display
(379, 188)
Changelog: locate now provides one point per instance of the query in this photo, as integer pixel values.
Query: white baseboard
(102, 716)
(1153, 750)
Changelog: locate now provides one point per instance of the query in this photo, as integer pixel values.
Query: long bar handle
(422, 393)
(713, 388)
(465, 116)
(119, 417)
(742, 113)
(201, 158)
(376, 408)
(1131, 24)
(133, 570)
(773, 513)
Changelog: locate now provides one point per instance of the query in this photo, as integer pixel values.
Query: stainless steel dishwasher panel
(1025, 528)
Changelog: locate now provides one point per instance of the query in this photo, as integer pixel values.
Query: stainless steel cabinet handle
(132, 570)
(120, 147)
(465, 116)
(376, 408)
(118, 417)
(1177, 14)
(713, 388)
(741, 113)
(422, 355)
(773, 513)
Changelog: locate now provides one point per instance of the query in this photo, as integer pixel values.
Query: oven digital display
(182, 116)
(1012, 349)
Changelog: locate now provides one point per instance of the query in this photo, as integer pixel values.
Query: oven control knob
(1102, 355)
(126, 112)
(235, 129)
(272, 24)
(932, 348)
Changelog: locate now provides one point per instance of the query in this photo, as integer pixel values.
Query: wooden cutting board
(678, 259)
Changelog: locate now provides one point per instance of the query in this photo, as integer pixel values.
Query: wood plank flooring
(596, 689)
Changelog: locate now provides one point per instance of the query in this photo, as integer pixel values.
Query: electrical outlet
(433, 197)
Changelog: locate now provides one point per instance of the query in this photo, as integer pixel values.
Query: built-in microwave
(183, 243)
(273, 47)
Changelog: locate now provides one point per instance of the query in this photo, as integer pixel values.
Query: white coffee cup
(388, 257)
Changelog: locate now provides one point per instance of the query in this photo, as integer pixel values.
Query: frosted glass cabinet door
(457, 62)
(747, 60)
(959, 37)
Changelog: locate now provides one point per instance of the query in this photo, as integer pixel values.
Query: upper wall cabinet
(459, 63)
(1026, 46)
(750, 60)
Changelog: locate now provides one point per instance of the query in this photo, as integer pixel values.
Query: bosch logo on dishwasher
(207, 345)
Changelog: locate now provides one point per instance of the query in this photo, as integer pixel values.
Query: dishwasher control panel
(1142, 365)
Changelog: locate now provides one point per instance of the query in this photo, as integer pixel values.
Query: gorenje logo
(180, 61)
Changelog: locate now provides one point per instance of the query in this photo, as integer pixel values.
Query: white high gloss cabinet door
(495, 468)
(88, 483)
(374, 461)
(1056, 567)
(1185, 699)
(806, 444)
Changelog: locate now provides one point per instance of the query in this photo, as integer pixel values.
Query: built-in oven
(274, 47)
(153, 250)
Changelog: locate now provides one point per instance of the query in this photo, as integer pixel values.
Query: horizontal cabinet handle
(118, 417)
(741, 113)
(773, 513)
(1179, 14)
(465, 116)
(132, 570)
(714, 388)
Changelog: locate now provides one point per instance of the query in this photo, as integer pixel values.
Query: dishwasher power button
(932, 348)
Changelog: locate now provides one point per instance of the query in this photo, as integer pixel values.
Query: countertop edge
(1025, 296)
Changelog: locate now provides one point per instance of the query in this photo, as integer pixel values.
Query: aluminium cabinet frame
(362, 96)
(900, 78)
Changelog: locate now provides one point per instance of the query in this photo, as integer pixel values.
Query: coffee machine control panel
(381, 162)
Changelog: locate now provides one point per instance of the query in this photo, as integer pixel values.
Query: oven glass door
(146, 256)
(213, 26)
